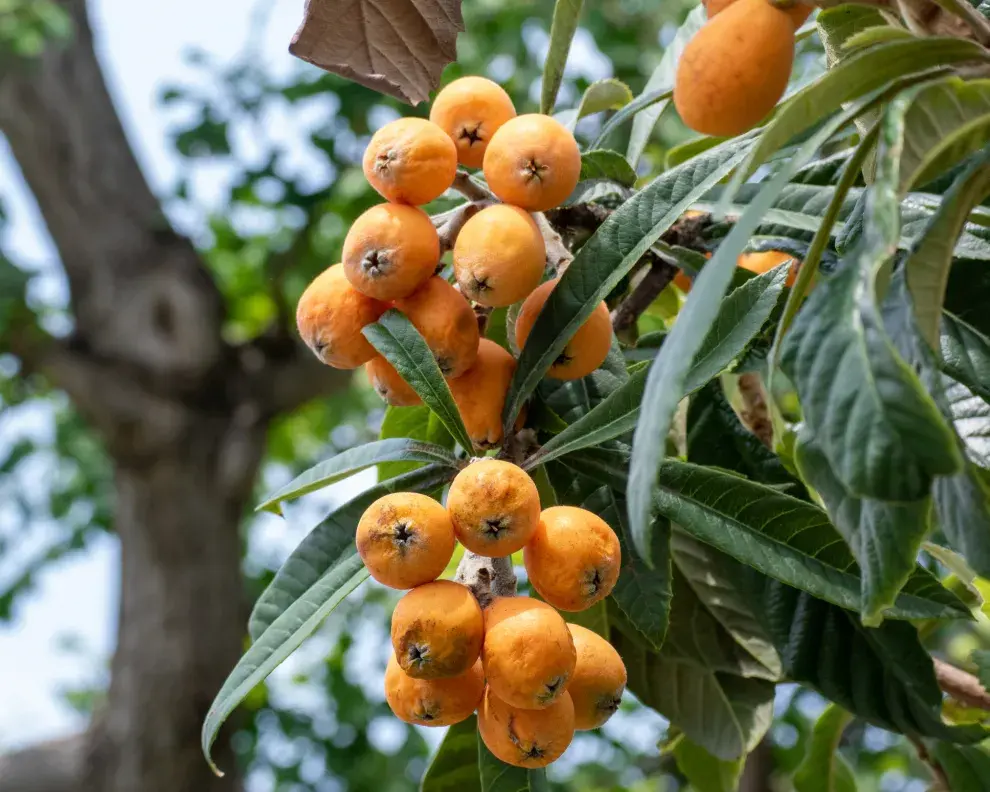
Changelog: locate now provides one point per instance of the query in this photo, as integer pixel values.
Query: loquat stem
(470, 189)
(558, 256)
(661, 272)
(449, 224)
(487, 578)
(961, 685)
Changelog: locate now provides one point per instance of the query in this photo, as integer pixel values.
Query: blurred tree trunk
(183, 416)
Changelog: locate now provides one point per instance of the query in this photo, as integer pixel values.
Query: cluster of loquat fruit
(736, 68)
(391, 253)
(532, 678)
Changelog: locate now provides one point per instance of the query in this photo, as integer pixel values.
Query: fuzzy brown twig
(961, 685)
(660, 273)
(488, 578)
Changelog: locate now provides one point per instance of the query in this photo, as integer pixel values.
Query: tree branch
(470, 189)
(488, 578)
(661, 272)
(49, 767)
(961, 685)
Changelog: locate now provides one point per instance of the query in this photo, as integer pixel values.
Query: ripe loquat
(735, 69)
(470, 110)
(573, 558)
(390, 250)
(446, 321)
(437, 630)
(526, 737)
(599, 679)
(499, 256)
(410, 160)
(330, 316)
(766, 261)
(528, 652)
(405, 539)
(479, 394)
(798, 12)
(494, 506)
(433, 702)
(533, 161)
(587, 348)
(388, 383)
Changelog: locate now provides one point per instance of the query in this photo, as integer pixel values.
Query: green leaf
(967, 768)
(965, 354)
(823, 768)
(884, 537)
(783, 537)
(962, 506)
(881, 432)
(594, 618)
(875, 35)
(572, 399)
(882, 675)
(455, 766)
(593, 190)
(356, 459)
(330, 544)
(946, 121)
(667, 376)
(740, 317)
(712, 577)
(496, 776)
(982, 660)
(285, 634)
(663, 79)
(704, 772)
(725, 714)
(608, 94)
(414, 423)
(637, 105)
(928, 263)
(605, 164)
(562, 29)
(859, 74)
(394, 336)
(605, 259)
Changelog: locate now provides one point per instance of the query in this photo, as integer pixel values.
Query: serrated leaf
(785, 538)
(610, 165)
(823, 768)
(592, 190)
(605, 259)
(855, 76)
(330, 544)
(704, 772)
(394, 336)
(608, 94)
(875, 35)
(414, 423)
(285, 634)
(667, 375)
(662, 79)
(946, 121)
(496, 776)
(455, 765)
(883, 675)
(965, 354)
(725, 714)
(354, 460)
(571, 399)
(884, 537)
(967, 768)
(565, 23)
(740, 317)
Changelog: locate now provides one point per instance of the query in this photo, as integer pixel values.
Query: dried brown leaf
(398, 47)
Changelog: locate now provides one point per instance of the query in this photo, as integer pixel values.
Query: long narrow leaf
(562, 29)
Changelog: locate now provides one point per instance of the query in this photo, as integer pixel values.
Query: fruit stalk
(487, 578)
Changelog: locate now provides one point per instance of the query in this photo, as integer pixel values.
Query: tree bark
(182, 414)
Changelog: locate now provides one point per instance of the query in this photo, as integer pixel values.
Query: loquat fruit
(599, 679)
(479, 393)
(735, 69)
(532, 161)
(470, 110)
(573, 558)
(766, 261)
(499, 256)
(389, 384)
(390, 250)
(526, 737)
(528, 653)
(798, 12)
(494, 506)
(433, 702)
(410, 160)
(330, 315)
(405, 539)
(437, 630)
(446, 321)
(587, 348)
